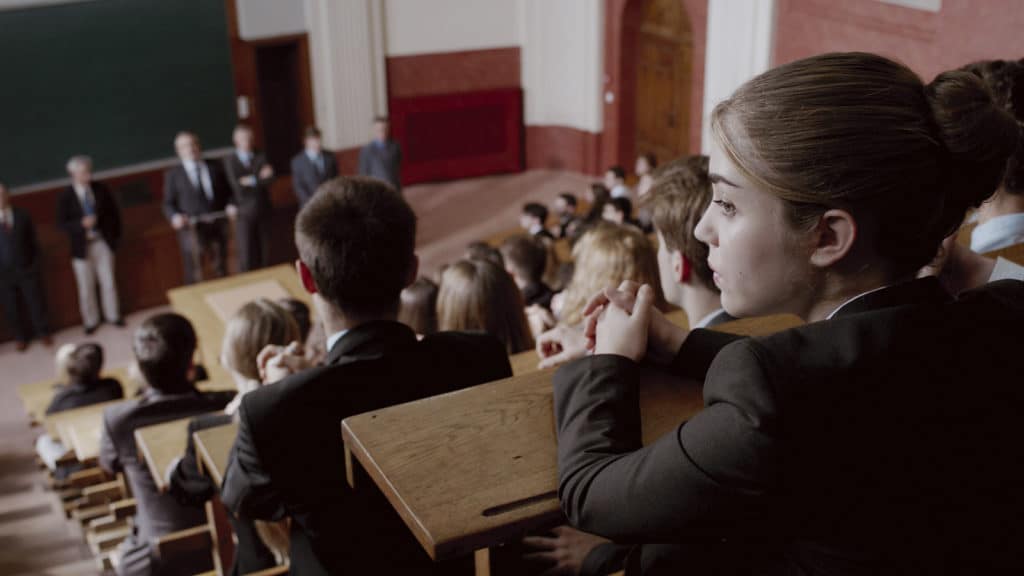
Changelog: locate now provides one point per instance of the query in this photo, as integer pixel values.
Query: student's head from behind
(243, 137)
(479, 295)
(381, 128)
(256, 325)
(618, 210)
(300, 312)
(311, 139)
(418, 309)
(526, 258)
(597, 195)
(680, 195)
(645, 164)
(186, 145)
(356, 240)
(840, 173)
(565, 204)
(606, 255)
(533, 215)
(84, 363)
(614, 176)
(80, 169)
(1005, 78)
(483, 251)
(164, 346)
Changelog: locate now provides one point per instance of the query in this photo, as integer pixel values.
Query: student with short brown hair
(477, 295)
(526, 259)
(356, 242)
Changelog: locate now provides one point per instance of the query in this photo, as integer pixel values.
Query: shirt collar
(854, 299)
(243, 155)
(536, 228)
(80, 189)
(192, 165)
(707, 319)
(333, 338)
(312, 154)
(999, 232)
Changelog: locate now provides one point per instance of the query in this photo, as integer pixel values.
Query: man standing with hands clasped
(87, 212)
(196, 198)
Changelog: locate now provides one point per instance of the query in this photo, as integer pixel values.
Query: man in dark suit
(19, 274)
(312, 167)
(87, 212)
(533, 219)
(250, 176)
(382, 158)
(356, 243)
(164, 346)
(197, 199)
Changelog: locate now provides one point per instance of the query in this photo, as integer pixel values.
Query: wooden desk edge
(158, 475)
(397, 502)
(206, 461)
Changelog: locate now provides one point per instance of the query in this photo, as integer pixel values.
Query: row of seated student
(858, 443)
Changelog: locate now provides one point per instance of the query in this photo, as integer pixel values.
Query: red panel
(448, 72)
(463, 135)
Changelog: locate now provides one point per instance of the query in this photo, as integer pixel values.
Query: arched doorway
(654, 78)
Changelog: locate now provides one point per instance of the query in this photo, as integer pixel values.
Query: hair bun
(979, 136)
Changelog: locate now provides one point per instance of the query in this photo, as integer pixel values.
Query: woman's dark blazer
(882, 441)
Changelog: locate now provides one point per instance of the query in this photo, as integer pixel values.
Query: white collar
(81, 190)
(333, 339)
(999, 232)
(192, 165)
(1006, 270)
(857, 297)
(707, 319)
(536, 228)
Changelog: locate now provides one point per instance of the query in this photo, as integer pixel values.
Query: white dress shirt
(707, 319)
(1006, 270)
(999, 232)
(857, 297)
(7, 217)
(333, 339)
(83, 193)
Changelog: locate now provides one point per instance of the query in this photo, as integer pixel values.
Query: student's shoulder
(293, 390)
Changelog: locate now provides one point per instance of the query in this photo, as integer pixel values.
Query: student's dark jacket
(883, 441)
(78, 394)
(108, 218)
(288, 459)
(191, 487)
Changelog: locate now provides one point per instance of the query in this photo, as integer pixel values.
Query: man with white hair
(88, 213)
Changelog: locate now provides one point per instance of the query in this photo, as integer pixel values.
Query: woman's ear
(833, 238)
(681, 267)
(306, 276)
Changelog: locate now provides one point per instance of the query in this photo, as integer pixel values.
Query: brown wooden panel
(450, 72)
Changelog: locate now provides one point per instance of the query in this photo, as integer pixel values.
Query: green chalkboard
(114, 79)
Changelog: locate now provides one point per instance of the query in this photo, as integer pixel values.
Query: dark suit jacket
(19, 249)
(306, 179)
(288, 459)
(883, 441)
(78, 394)
(108, 217)
(382, 162)
(182, 197)
(193, 488)
(252, 201)
(538, 293)
(158, 514)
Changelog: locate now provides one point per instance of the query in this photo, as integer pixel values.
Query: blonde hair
(862, 133)
(254, 326)
(479, 295)
(605, 256)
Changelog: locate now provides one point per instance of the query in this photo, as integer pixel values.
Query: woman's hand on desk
(559, 345)
(625, 321)
(563, 551)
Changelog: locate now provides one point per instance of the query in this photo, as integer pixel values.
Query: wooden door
(663, 72)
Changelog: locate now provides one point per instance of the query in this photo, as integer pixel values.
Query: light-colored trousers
(98, 264)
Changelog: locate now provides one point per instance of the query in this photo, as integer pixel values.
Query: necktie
(87, 204)
(199, 181)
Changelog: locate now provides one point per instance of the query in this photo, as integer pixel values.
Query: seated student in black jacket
(355, 239)
(164, 346)
(526, 258)
(256, 325)
(879, 438)
(82, 366)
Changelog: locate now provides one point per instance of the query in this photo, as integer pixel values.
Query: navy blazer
(882, 441)
(305, 177)
(108, 217)
(19, 248)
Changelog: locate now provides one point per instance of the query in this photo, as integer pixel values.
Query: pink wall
(962, 31)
